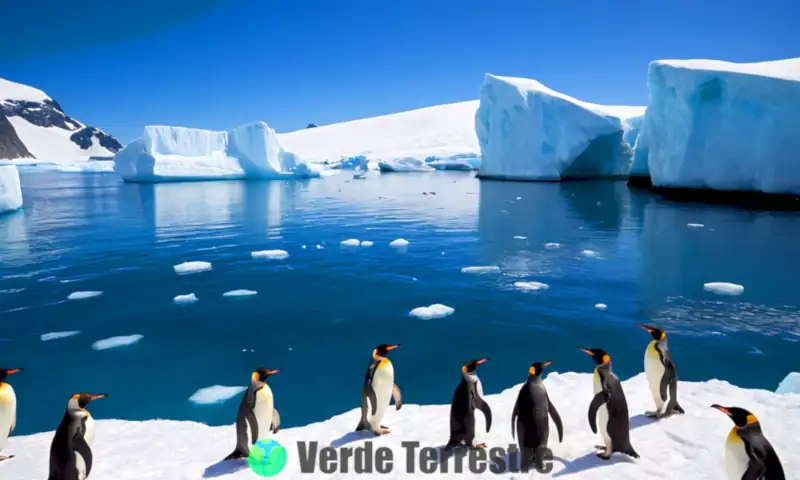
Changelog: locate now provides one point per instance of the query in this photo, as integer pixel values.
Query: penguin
(257, 411)
(748, 454)
(609, 408)
(379, 388)
(8, 409)
(661, 374)
(530, 418)
(71, 451)
(467, 397)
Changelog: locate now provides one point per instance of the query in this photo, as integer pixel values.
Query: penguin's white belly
(602, 412)
(8, 412)
(654, 371)
(736, 459)
(263, 411)
(89, 434)
(382, 384)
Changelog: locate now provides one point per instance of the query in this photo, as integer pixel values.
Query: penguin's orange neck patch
(532, 370)
(734, 435)
(606, 359)
(384, 362)
(751, 419)
(255, 376)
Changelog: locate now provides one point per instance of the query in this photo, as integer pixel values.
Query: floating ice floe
(552, 245)
(351, 242)
(601, 306)
(723, 288)
(115, 342)
(185, 299)
(367, 243)
(215, 394)
(83, 295)
(240, 293)
(320, 247)
(57, 335)
(589, 253)
(695, 225)
(486, 269)
(399, 243)
(270, 254)
(790, 384)
(437, 310)
(187, 268)
(531, 286)
(520, 237)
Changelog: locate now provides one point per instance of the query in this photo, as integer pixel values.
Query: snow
(176, 154)
(486, 269)
(529, 132)
(442, 131)
(367, 243)
(185, 299)
(790, 384)
(271, 254)
(10, 189)
(52, 144)
(723, 288)
(83, 295)
(437, 310)
(722, 126)
(215, 394)
(240, 293)
(399, 243)
(405, 164)
(115, 342)
(186, 268)
(351, 242)
(601, 306)
(689, 446)
(57, 335)
(531, 286)
(16, 91)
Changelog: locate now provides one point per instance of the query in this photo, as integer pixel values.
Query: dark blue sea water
(320, 312)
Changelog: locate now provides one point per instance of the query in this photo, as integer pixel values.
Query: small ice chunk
(519, 198)
(589, 253)
(552, 245)
(695, 225)
(319, 247)
(399, 243)
(486, 269)
(601, 306)
(437, 310)
(531, 286)
(215, 394)
(240, 293)
(114, 342)
(724, 288)
(83, 295)
(185, 299)
(790, 384)
(367, 243)
(304, 247)
(271, 254)
(520, 237)
(351, 242)
(186, 268)
(56, 335)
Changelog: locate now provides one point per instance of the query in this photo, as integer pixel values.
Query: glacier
(528, 131)
(10, 189)
(251, 151)
(723, 126)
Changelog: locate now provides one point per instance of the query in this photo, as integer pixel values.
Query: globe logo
(267, 458)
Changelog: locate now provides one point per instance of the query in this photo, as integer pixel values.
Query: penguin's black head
(382, 349)
(740, 416)
(657, 333)
(261, 374)
(472, 365)
(537, 368)
(599, 356)
(83, 399)
(5, 372)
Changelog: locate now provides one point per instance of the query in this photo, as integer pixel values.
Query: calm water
(320, 312)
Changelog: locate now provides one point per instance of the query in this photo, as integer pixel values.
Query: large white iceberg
(530, 132)
(10, 189)
(250, 151)
(790, 384)
(722, 126)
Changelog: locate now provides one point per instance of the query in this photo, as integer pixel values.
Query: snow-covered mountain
(33, 125)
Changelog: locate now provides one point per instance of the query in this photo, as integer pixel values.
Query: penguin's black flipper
(667, 379)
(398, 397)
(556, 419)
(481, 405)
(597, 401)
(276, 420)
(514, 416)
(82, 448)
(253, 422)
(763, 458)
(371, 398)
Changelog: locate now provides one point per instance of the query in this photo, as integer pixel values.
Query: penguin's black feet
(4, 458)
(603, 456)
(655, 415)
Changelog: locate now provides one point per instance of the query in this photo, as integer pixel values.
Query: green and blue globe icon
(267, 458)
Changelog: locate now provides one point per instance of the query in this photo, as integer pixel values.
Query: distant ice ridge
(10, 189)
(215, 394)
(790, 384)
(115, 342)
(529, 132)
(250, 151)
(722, 126)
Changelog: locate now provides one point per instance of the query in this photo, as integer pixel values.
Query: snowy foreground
(10, 189)
(690, 446)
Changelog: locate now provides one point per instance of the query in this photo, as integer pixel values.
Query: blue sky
(220, 63)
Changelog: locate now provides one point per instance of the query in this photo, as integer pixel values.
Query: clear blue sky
(216, 64)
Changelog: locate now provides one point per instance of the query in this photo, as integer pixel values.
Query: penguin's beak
(99, 395)
(13, 370)
(547, 363)
(722, 409)
(482, 360)
(645, 327)
(392, 347)
(273, 371)
(586, 351)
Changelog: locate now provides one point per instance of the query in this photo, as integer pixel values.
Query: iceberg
(167, 154)
(10, 189)
(790, 384)
(529, 132)
(722, 126)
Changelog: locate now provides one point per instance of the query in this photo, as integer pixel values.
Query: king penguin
(748, 454)
(257, 411)
(609, 408)
(378, 389)
(467, 397)
(71, 451)
(661, 374)
(530, 418)
(8, 409)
